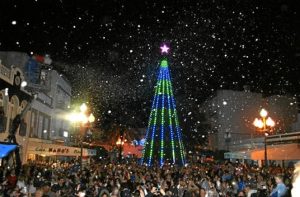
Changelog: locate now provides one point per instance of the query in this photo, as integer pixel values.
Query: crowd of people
(128, 179)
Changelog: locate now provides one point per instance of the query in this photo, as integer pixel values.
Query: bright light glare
(83, 107)
(77, 117)
(66, 133)
(258, 123)
(119, 142)
(263, 113)
(91, 118)
(270, 122)
(80, 118)
(24, 83)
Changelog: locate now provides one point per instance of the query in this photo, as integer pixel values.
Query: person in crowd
(59, 185)
(193, 188)
(241, 194)
(39, 192)
(104, 193)
(46, 187)
(296, 181)
(203, 192)
(115, 192)
(280, 190)
(250, 190)
(11, 179)
(21, 183)
(223, 179)
(241, 183)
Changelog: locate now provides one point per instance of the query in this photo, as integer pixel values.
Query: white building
(48, 113)
(44, 127)
(296, 125)
(231, 115)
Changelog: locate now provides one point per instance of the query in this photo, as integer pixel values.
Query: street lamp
(82, 118)
(120, 144)
(264, 124)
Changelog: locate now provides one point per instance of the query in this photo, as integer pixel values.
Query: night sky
(109, 49)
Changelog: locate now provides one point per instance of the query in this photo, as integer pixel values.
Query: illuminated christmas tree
(163, 137)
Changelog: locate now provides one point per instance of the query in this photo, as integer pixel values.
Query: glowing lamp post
(264, 124)
(120, 144)
(81, 119)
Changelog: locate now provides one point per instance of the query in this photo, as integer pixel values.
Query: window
(23, 128)
(33, 125)
(46, 127)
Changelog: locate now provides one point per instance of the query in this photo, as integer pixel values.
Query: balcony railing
(286, 138)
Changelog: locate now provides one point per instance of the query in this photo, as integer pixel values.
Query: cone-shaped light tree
(163, 137)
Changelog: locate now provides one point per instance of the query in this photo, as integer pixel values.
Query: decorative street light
(82, 118)
(120, 144)
(265, 125)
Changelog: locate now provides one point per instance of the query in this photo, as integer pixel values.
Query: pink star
(164, 49)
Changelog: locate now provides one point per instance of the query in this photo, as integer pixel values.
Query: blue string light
(163, 109)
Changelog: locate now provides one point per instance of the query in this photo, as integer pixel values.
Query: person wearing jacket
(280, 190)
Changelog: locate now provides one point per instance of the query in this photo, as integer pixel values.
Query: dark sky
(109, 49)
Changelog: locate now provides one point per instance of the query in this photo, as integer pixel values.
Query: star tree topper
(164, 49)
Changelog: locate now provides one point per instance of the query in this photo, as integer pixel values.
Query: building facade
(13, 99)
(44, 128)
(231, 115)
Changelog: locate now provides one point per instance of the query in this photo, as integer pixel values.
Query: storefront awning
(6, 149)
(58, 150)
(278, 152)
(274, 152)
(237, 155)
